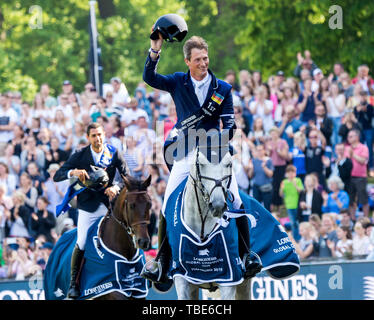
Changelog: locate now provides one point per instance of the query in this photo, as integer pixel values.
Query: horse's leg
(243, 290)
(227, 292)
(211, 295)
(185, 290)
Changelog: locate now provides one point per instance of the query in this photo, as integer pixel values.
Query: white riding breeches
(85, 221)
(181, 170)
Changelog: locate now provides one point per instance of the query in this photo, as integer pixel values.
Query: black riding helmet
(98, 180)
(171, 26)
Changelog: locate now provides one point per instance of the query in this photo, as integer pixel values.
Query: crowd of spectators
(303, 148)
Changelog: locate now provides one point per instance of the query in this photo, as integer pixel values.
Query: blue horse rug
(103, 271)
(217, 258)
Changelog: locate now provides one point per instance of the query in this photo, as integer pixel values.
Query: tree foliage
(242, 34)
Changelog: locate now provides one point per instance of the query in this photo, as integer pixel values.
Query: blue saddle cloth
(103, 271)
(217, 259)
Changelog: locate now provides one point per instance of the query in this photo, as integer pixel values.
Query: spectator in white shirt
(145, 136)
(120, 94)
(130, 117)
(335, 104)
(317, 76)
(361, 242)
(262, 108)
(8, 119)
(110, 138)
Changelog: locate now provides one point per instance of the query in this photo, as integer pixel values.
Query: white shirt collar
(199, 83)
(96, 156)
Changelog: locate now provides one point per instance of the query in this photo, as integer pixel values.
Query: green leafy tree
(51, 44)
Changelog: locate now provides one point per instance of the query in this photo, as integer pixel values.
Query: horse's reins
(197, 183)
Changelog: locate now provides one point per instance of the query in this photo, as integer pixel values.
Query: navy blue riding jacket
(180, 86)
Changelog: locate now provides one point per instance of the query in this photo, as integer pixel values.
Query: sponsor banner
(351, 280)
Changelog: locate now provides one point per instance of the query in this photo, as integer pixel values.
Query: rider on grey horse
(203, 102)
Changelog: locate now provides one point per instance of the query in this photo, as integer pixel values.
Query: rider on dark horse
(87, 165)
(197, 94)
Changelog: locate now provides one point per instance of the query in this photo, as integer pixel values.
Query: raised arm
(150, 75)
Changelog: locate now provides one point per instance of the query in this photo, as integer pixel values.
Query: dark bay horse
(114, 241)
(125, 228)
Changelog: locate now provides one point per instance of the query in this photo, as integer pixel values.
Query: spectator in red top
(278, 152)
(364, 79)
(359, 155)
(171, 120)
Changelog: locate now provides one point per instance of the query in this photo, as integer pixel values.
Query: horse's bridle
(217, 183)
(197, 183)
(125, 223)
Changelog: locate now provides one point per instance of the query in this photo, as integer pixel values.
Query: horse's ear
(126, 181)
(147, 182)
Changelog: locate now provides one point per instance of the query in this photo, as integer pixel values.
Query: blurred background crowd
(303, 148)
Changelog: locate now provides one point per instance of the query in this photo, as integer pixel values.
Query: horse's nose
(143, 243)
(217, 207)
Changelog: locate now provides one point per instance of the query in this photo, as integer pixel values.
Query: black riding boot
(251, 267)
(163, 257)
(76, 260)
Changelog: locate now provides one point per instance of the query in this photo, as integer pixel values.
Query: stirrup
(152, 270)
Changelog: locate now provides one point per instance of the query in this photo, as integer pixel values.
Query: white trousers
(85, 221)
(181, 170)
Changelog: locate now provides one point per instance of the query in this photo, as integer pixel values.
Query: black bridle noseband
(125, 223)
